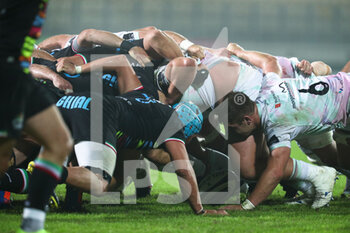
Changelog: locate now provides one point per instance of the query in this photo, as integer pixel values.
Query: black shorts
(21, 97)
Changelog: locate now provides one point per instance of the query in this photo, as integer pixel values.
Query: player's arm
(188, 183)
(127, 79)
(90, 37)
(266, 62)
(38, 53)
(44, 72)
(268, 181)
(346, 68)
(55, 42)
(186, 45)
(272, 175)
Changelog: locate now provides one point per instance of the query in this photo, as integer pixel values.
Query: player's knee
(149, 28)
(86, 34)
(184, 62)
(155, 35)
(99, 188)
(248, 174)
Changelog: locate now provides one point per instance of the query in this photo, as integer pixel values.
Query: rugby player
(25, 108)
(133, 120)
(294, 109)
(249, 81)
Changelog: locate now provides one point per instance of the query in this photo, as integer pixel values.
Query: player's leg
(49, 130)
(174, 78)
(158, 45)
(96, 166)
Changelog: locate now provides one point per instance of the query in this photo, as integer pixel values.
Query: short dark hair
(239, 105)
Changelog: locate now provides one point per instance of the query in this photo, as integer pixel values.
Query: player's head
(242, 114)
(190, 116)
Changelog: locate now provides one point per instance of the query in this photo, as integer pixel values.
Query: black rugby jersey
(133, 120)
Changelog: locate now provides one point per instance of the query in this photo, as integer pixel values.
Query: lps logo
(340, 90)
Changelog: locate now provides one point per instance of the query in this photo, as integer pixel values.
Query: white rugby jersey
(293, 108)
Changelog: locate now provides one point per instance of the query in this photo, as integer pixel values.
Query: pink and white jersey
(289, 68)
(294, 108)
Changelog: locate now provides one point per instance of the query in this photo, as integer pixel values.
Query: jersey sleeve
(278, 136)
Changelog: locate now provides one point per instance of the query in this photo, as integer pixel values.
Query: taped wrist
(247, 205)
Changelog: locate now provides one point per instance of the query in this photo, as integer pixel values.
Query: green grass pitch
(150, 216)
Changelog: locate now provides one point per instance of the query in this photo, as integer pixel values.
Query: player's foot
(54, 202)
(324, 184)
(5, 200)
(30, 167)
(40, 231)
(301, 200)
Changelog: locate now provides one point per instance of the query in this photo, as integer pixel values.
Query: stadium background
(310, 29)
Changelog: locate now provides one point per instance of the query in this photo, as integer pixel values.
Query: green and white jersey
(294, 108)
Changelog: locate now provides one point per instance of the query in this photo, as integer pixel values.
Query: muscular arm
(55, 42)
(184, 170)
(90, 37)
(271, 176)
(193, 50)
(44, 72)
(38, 53)
(266, 62)
(127, 79)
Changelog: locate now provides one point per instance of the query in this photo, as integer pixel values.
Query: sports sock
(15, 180)
(303, 170)
(44, 180)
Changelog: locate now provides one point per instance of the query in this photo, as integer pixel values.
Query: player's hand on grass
(305, 67)
(215, 212)
(232, 207)
(196, 51)
(140, 55)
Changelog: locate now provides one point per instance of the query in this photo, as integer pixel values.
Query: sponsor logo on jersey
(73, 102)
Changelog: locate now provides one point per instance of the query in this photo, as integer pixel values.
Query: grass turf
(150, 216)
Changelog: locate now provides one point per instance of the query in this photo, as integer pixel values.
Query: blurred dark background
(310, 29)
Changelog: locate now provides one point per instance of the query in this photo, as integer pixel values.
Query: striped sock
(43, 182)
(15, 180)
(50, 168)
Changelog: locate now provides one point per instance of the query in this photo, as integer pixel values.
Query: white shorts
(95, 155)
(134, 35)
(316, 141)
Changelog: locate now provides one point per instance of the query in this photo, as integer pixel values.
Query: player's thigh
(247, 153)
(48, 129)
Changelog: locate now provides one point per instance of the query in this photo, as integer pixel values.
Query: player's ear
(248, 120)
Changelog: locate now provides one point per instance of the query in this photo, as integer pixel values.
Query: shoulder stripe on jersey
(82, 57)
(174, 139)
